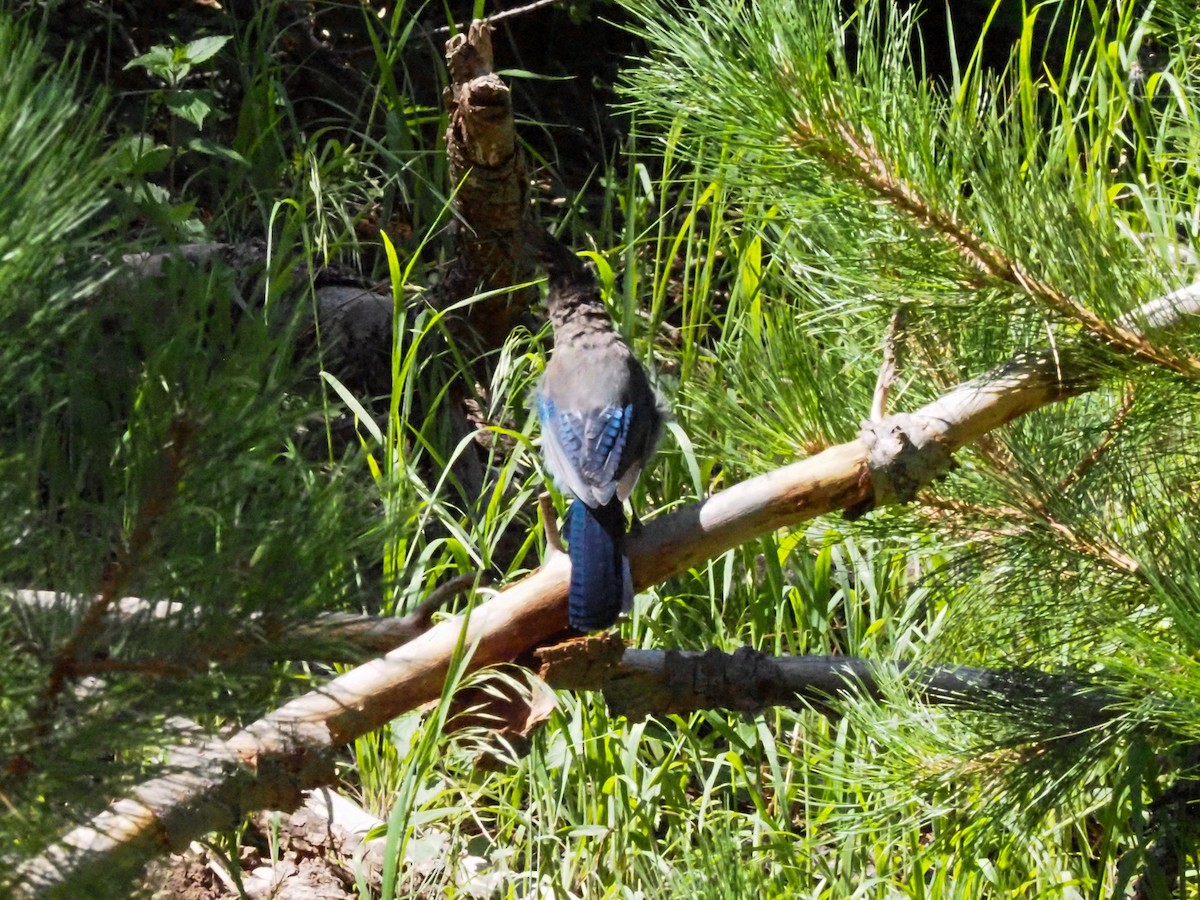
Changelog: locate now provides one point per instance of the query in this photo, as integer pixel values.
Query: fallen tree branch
(354, 321)
(640, 683)
(334, 637)
(288, 750)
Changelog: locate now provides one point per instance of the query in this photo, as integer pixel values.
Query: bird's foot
(554, 542)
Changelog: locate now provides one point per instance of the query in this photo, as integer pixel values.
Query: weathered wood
(491, 202)
(640, 683)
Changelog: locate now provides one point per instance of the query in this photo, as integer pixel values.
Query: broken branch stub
(489, 171)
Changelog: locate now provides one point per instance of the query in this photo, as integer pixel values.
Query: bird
(601, 420)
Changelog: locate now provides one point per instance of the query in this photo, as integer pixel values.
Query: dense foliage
(798, 185)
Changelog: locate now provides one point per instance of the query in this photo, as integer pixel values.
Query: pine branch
(1102, 551)
(291, 748)
(154, 667)
(855, 156)
(1093, 456)
(1036, 511)
(116, 575)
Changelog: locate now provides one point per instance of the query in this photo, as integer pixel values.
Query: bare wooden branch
(641, 683)
(550, 523)
(289, 749)
(330, 638)
(492, 199)
(498, 17)
(1165, 313)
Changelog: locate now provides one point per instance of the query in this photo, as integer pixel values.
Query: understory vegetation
(775, 197)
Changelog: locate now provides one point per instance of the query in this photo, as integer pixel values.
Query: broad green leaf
(139, 154)
(191, 105)
(205, 48)
(212, 148)
(158, 60)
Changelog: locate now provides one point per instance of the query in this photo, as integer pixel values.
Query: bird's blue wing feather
(605, 431)
(584, 449)
(560, 448)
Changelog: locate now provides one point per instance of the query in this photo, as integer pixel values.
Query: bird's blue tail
(600, 582)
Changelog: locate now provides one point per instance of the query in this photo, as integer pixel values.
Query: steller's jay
(600, 423)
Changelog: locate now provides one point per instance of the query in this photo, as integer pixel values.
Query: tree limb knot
(904, 453)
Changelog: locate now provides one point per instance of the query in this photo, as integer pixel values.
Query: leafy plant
(141, 155)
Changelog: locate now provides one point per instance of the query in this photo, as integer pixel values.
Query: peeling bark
(492, 200)
(641, 683)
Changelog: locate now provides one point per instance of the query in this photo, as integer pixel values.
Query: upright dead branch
(893, 341)
(492, 200)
